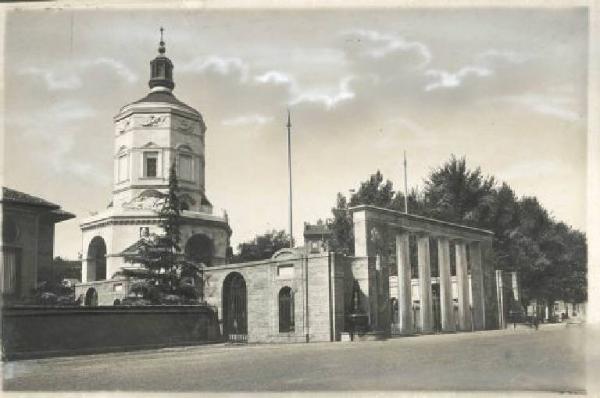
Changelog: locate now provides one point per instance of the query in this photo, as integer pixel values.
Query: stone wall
(318, 286)
(107, 291)
(33, 331)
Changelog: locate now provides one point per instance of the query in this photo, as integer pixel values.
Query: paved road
(549, 359)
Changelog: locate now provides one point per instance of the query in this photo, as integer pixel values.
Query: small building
(317, 237)
(27, 241)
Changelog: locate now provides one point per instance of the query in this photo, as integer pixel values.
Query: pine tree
(170, 212)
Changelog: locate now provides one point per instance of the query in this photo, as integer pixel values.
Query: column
(446, 302)
(404, 292)
(477, 286)
(500, 298)
(515, 286)
(361, 236)
(462, 279)
(425, 284)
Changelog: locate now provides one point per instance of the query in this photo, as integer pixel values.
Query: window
(10, 231)
(185, 167)
(11, 275)
(150, 164)
(123, 166)
(285, 271)
(314, 246)
(286, 310)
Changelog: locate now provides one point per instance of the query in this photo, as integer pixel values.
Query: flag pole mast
(289, 126)
(405, 186)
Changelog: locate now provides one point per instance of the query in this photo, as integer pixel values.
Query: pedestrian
(536, 322)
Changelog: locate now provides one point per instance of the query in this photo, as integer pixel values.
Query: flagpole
(405, 186)
(289, 126)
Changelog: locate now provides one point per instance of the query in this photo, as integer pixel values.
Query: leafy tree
(549, 256)
(342, 239)
(262, 246)
(457, 194)
(374, 192)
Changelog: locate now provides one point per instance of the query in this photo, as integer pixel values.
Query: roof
(166, 97)
(413, 221)
(16, 197)
(316, 230)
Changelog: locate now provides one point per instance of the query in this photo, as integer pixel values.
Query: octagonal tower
(150, 135)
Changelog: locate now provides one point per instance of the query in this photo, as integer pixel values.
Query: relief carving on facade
(184, 126)
(147, 200)
(124, 125)
(154, 121)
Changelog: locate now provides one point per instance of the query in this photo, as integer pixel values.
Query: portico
(386, 235)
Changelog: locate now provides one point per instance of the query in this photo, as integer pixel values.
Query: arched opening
(199, 249)
(235, 311)
(286, 310)
(96, 260)
(91, 297)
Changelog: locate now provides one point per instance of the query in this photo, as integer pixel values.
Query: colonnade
(375, 228)
(465, 313)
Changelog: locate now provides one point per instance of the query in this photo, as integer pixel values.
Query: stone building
(150, 135)
(298, 295)
(27, 242)
(316, 237)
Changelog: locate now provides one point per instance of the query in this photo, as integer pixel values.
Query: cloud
(221, 65)
(382, 45)
(53, 82)
(445, 79)
(274, 77)
(255, 119)
(329, 98)
(555, 106)
(56, 82)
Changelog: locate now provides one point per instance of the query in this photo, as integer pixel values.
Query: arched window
(286, 310)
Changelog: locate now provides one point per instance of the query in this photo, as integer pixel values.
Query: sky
(506, 88)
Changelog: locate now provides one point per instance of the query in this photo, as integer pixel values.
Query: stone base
(345, 337)
(370, 336)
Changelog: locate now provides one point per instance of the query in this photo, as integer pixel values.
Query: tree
(262, 246)
(549, 256)
(164, 265)
(342, 235)
(457, 194)
(374, 192)
(170, 213)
